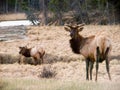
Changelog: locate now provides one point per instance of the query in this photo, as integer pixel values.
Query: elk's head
(22, 49)
(74, 30)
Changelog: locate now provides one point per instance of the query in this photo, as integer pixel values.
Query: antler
(68, 25)
(75, 26)
(80, 25)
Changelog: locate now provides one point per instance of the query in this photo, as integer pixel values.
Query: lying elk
(36, 52)
(93, 48)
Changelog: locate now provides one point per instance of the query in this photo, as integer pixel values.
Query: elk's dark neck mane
(27, 53)
(76, 44)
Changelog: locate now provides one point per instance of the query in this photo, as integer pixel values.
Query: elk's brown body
(93, 48)
(36, 52)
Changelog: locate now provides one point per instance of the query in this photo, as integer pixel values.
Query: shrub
(47, 72)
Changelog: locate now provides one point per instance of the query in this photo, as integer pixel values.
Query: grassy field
(52, 84)
(67, 69)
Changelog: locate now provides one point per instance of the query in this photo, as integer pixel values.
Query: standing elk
(36, 52)
(93, 48)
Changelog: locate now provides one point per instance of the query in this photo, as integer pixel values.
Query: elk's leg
(39, 61)
(97, 61)
(22, 60)
(35, 61)
(91, 68)
(107, 63)
(42, 60)
(41, 56)
(87, 69)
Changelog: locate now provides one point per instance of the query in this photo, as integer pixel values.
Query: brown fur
(35, 52)
(93, 48)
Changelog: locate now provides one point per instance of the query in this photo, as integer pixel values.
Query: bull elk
(93, 48)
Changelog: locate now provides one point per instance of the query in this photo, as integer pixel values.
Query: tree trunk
(16, 1)
(99, 4)
(113, 11)
(44, 19)
(59, 14)
(80, 11)
(88, 21)
(108, 15)
(29, 3)
(6, 8)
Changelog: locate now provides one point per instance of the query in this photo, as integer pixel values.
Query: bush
(47, 72)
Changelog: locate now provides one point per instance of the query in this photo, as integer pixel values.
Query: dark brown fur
(38, 56)
(25, 51)
(75, 45)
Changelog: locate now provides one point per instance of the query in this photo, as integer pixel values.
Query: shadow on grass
(8, 58)
(115, 57)
(48, 59)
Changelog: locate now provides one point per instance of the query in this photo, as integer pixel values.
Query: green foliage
(11, 2)
(58, 5)
(24, 6)
(94, 3)
(116, 4)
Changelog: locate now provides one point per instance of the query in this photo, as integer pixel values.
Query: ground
(59, 59)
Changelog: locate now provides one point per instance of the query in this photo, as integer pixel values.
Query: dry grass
(69, 68)
(8, 58)
(17, 16)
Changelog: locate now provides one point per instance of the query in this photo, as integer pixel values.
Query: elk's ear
(67, 28)
(20, 47)
(26, 46)
(80, 29)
